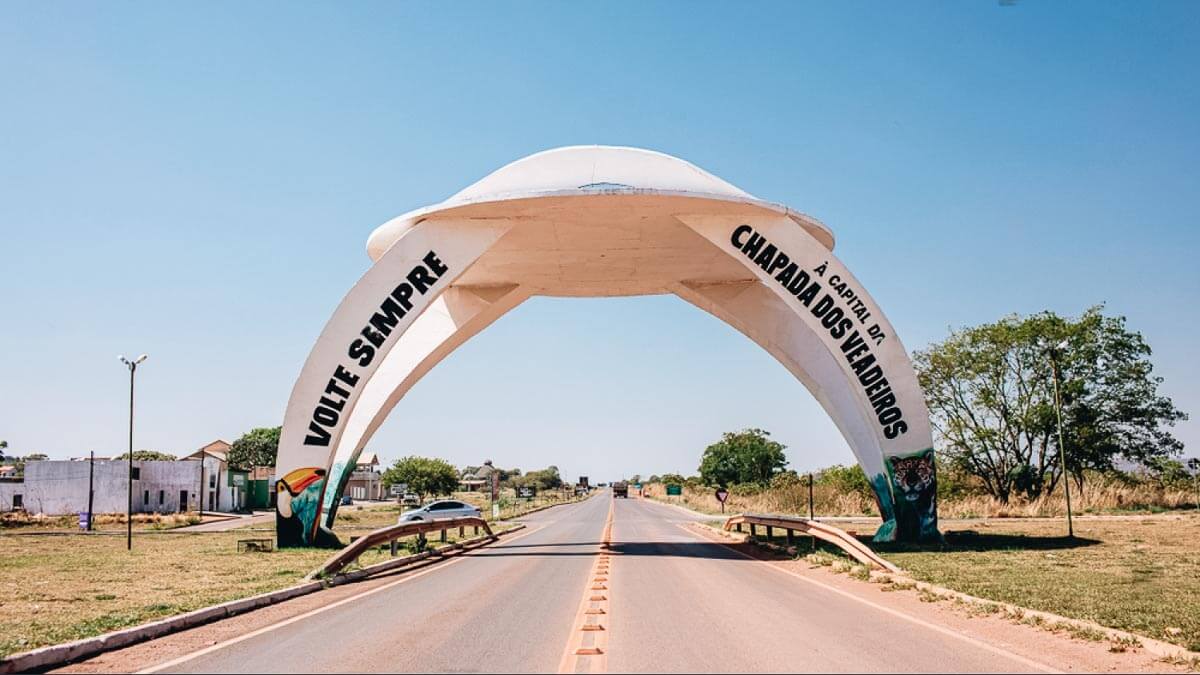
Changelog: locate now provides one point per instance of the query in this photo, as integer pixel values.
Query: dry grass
(1097, 497)
(60, 588)
(16, 521)
(1139, 574)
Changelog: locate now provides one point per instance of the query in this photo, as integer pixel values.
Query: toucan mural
(297, 507)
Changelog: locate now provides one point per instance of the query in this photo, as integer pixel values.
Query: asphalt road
(504, 608)
(677, 603)
(683, 604)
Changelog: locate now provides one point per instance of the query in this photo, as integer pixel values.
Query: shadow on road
(695, 549)
(970, 541)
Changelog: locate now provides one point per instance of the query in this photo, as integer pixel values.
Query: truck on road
(621, 489)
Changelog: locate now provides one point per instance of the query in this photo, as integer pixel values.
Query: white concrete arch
(596, 221)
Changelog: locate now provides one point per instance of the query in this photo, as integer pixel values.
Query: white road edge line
(300, 617)
(888, 610)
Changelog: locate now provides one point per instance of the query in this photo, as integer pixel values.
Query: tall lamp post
(1062, 449)
(129, 509)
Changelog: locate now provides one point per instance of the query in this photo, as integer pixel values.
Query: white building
(61, 487)
(224, 489)
(56, 487)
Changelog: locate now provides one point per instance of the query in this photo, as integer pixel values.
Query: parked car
(444, 508)
(346, 500)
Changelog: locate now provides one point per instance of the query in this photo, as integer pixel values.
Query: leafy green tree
(747, 456)
(509, 476)
(257, 447)
(787, 480)
(545, 479)
(845, 479)
(149, 456)
(990, 392)
(423, 475)
(670, 479)
(1169, 473)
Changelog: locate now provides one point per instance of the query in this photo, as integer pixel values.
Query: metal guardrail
(813, 528)
(391, 533)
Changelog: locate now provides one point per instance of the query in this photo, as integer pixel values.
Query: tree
(148, 456)
(423, 475)
(670, 479)
(845, 479)
(257, 447)
(545, 479)
(990, 392)
(748, 456)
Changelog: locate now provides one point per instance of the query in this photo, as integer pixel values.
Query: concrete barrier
(823, 531)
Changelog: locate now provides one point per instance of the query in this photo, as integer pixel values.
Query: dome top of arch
(591, 170)
(598, 167)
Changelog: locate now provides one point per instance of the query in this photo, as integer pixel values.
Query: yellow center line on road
(1030, 663)
(456, 558)
(587, 645)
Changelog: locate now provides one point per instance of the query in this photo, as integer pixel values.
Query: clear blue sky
(197, 181)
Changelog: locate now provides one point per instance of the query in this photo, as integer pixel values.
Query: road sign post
(722, 495)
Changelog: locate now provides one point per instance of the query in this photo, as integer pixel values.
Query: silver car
(444, 508)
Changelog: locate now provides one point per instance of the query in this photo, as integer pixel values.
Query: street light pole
(201, 495)
(1062, 451)
(129, 509)
(91, 486)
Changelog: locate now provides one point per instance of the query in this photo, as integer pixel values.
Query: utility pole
(91, 484)
(1062, 451)
(129, 509)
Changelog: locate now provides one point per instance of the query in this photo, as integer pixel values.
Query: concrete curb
(52, 656)
(1163, 650)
